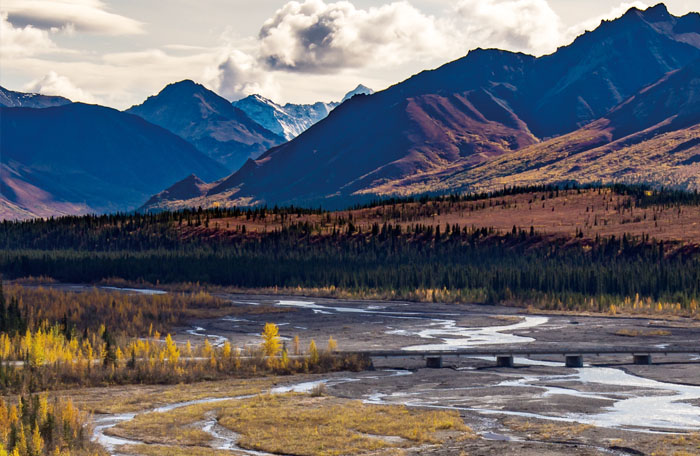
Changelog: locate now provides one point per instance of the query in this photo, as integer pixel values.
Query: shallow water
(146, 291)
(666, 410)
(456, 337)
(633, 409)
(216, 340)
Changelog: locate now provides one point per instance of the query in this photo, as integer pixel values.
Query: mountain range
(617, 101)
(68, 161)
(211, 123)
(290, 120)
(621, 103)
(11, 99)
(80, 158)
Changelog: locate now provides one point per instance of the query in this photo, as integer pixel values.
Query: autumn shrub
(35, 426)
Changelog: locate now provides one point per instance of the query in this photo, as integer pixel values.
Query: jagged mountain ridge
(468, 112)
(290, 120)
(12, 99)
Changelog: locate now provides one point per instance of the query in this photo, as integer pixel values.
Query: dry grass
(679, 445)
(642, 332)
(132, 398)
(175, 427)
(304, 425)
(547, 430)
(592, 212)
(167, 450)
(297, 424)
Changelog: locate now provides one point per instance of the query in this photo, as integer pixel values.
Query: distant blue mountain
(11, 99)
(81, 158)
(290, 120)
(208, 121)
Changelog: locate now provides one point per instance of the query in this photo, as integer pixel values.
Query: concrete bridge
(573, 356)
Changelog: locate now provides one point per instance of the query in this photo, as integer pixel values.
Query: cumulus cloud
(315, 36)
(307, 50)
(22, 41)
(89, 16)
(517, 25)
(55, 84)
(238, 75)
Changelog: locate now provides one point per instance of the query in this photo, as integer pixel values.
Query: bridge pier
(642, 359)
(504, 360)
(574, 360)
(433, 362)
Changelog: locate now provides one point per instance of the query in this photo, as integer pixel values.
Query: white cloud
(89, 16)
(590, 24)
(239, 74)
(518, 25)
(306, 51)
(315, 36)
(22, 41)
(55, 84)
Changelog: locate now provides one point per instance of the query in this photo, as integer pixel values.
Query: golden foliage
(271, 339)
(33, 426)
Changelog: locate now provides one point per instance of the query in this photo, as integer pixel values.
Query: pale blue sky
(117, 52)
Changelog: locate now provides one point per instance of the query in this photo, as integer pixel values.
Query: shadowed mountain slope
(209, 122)
(82, 158)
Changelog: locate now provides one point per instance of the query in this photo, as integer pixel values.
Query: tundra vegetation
(294, 423)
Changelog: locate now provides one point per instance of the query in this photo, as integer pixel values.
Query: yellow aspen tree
(21, 442)
(5, 346)
(173, 352)
(4, 430)
(284, 361)
(297, 347)
(206, 350)
(271, 339)
(332, 345)
(37, 442)
(43, 412)
(313, 353)
(226, 351)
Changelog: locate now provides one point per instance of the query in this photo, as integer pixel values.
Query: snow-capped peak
(289, 120)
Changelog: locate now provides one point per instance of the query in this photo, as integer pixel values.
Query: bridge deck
(524, 351)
